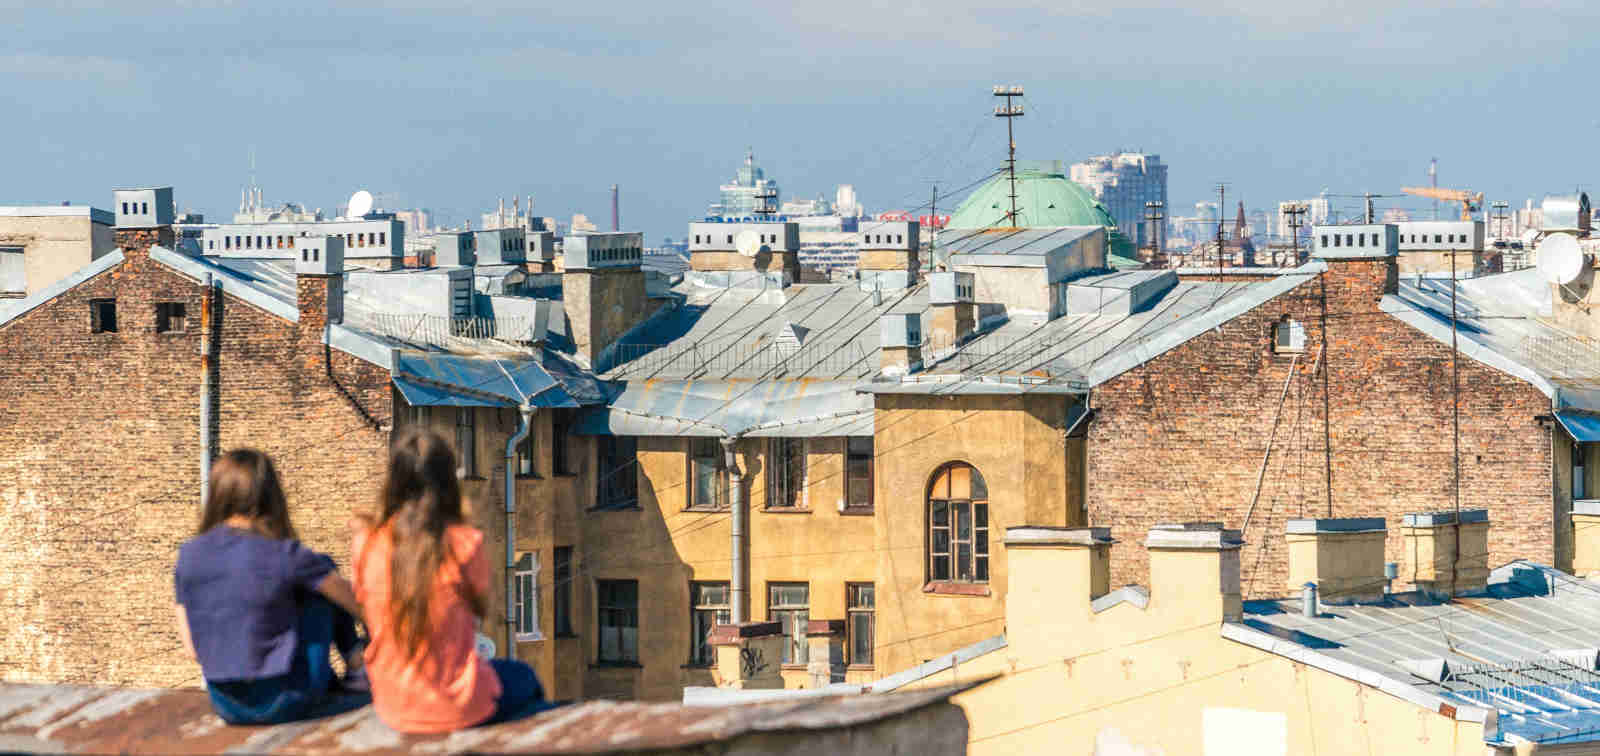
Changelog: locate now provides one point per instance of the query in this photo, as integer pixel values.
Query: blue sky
(450, 107)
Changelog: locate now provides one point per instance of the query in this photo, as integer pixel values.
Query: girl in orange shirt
(422, 579)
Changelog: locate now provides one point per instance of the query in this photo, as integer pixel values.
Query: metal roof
(80, 719)
(793, 408)
(450, 380)
(1501, 321)
(1022, 247)
(1581, 425)
(1524, 649)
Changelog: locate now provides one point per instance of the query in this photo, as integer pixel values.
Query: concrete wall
(1467, 262)
(1019, 289)
(99, 468)
(54, 246)
(602, 305)
(1016, 443)
(1162, 679)
(1183, 436)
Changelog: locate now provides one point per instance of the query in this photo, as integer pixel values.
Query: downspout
(511, 527)
(739, 605)
(208, 369)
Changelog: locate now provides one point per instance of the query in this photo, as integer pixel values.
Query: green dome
(1045, 197)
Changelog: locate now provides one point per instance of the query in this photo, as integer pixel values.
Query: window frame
(797, 651)
(525, 579)
(20, 267)
(167, 313)
(701, 653)
(528, 455)
(561, 586)
(718, 473)
(869, 460)
(1580, 488)
(99, 309)
(467, 441)
(608, 605)
(561, 445)
(856, 608)
(1295, 329)
(976, 510)
(786, 486)
(614, 488)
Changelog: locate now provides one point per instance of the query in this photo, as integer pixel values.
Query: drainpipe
(511, 527)
(208, 369)
(739, 605)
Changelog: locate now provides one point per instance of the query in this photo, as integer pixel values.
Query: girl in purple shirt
(258, 609)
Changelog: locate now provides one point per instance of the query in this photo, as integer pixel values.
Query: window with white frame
(13, 278)
(709, 602)
(789, 604)
(1288, 336)
(527, 598)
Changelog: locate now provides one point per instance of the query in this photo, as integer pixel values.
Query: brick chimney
(1363, 264)
(319, 282)
(888, 258)
(825, 660)
(749, 655)
(144, 219)
(1343, 556)
(602, 289)
(900, 342)
(1430, 544)
(1194, 572)
(952, 312)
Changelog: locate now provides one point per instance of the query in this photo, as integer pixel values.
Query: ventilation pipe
(739, 604)
(511, 526)
(208, 371)
(1308, 599)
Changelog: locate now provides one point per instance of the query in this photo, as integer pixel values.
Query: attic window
(169, 317)
(1288, 336)
(102, 316)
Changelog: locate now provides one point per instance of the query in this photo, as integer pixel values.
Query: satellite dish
(360, 204)
(748, 243)
(1560, 258)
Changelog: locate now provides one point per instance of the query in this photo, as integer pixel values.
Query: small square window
(102, 316)
(169, 317)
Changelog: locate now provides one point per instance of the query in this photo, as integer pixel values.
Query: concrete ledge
(1586, 507)
(1335, 525)
(1052, 536)
(1193, 535)
(1433, 519)
(939, 664)
(726, 634)
(824, 627)
(1137, 595)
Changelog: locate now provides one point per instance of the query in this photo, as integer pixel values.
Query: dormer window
(1288, 336)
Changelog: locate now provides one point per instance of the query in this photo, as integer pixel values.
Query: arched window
(958, 525)
(1288, 336)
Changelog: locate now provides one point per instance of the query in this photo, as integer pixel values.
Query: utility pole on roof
(1009, 111)
(933, 224)
(1153, 214)
(1222, 202)
(1296, 213)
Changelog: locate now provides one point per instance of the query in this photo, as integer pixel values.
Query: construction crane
(1469, 201)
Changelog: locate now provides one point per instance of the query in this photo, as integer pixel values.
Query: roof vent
(1432, 670)
(790, 337)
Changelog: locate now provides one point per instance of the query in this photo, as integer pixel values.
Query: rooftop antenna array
(1010, 111)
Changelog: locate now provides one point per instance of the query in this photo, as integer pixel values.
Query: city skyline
(623, 98)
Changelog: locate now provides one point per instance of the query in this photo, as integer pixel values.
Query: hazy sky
(449, 105)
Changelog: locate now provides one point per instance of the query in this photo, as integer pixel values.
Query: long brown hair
(244, 483)
(421, 499)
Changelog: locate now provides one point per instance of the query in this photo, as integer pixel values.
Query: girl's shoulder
(463, 539)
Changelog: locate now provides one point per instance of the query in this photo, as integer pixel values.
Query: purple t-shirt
(240, 591)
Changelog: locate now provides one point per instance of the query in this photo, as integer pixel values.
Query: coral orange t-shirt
(448, 686)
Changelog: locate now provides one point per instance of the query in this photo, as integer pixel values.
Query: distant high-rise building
(806, 207)
(1123, 182)
(418, 221)
(846, 203)
(750, 191)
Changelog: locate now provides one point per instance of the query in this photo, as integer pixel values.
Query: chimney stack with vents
(1342, 556)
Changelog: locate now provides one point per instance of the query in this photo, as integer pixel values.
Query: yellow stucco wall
(1017, 444)
(1162, 679)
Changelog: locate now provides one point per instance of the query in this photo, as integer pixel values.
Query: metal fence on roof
(1572, 357)
(446, 332)
(727, 358)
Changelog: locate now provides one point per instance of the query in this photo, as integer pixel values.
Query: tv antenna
(1010, 111)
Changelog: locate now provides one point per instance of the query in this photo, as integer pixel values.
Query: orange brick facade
(1183, 437)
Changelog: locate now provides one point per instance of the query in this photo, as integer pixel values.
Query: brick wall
(99, 461)
(1183, 436)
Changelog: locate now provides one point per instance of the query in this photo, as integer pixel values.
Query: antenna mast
(1296, 213)
(1009, 111)
(1222, 202)
(933, 224)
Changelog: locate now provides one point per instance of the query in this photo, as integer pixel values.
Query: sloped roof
(1502, 321)
(1520, 656)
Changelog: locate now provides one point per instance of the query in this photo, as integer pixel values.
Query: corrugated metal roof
(1022, 243)
(794, 408)
(77, 719)
(1581, 425)
(463, 381)
(1526, 647)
